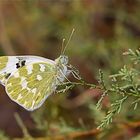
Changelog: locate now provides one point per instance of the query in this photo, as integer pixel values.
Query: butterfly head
(62, 60)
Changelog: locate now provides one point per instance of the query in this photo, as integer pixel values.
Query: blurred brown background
(104, 29)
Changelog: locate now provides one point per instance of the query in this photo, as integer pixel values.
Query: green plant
(125, 85)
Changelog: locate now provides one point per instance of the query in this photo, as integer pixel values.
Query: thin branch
(22, 126)
(70, 136)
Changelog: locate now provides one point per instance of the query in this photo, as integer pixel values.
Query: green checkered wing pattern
(31, 84)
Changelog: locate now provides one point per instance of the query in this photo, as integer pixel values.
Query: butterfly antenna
(63, 51)
(63, 41)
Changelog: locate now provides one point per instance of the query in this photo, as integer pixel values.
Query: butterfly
(29, 80)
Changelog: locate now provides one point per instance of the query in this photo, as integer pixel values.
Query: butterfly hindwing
(30, 85)
(10, 64)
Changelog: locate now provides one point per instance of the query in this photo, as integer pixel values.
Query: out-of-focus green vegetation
(103, 31)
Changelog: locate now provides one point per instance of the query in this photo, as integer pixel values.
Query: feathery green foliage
(125, 84)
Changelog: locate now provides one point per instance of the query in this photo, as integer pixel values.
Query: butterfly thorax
(61, 67)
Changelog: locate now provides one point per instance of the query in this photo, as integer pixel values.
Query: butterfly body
(29, 80)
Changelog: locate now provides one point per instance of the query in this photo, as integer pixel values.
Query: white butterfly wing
(10, 64)
(29, 80)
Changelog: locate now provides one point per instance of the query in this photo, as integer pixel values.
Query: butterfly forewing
(10, 64)
(31, 84)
